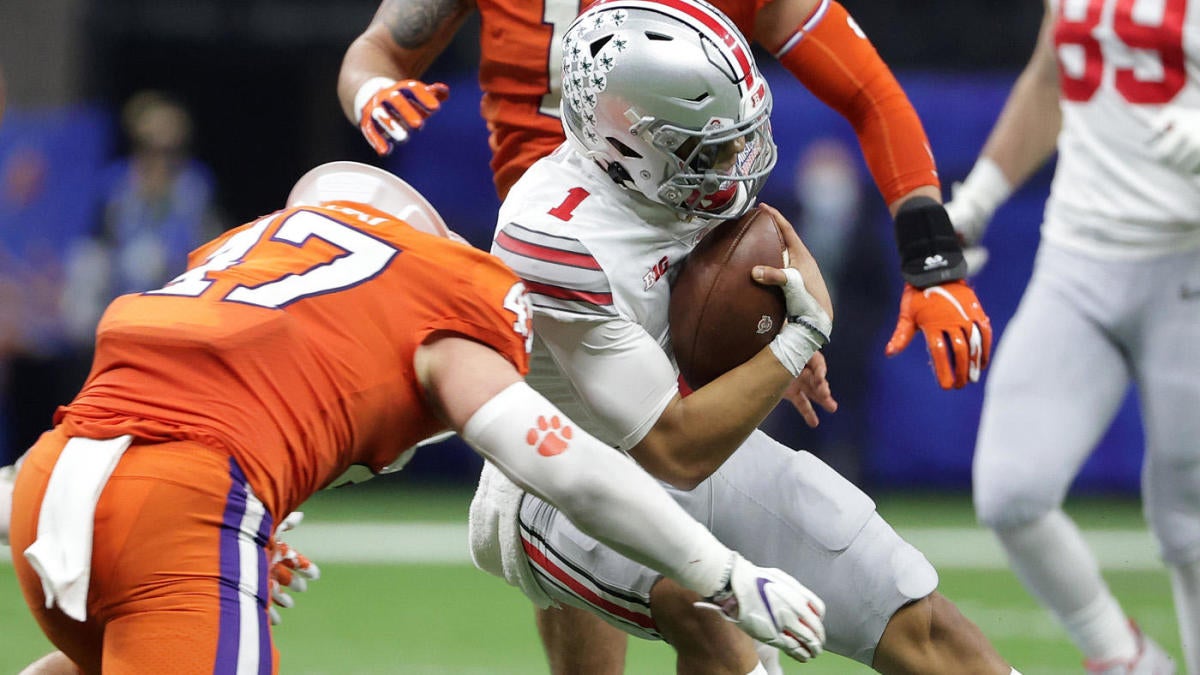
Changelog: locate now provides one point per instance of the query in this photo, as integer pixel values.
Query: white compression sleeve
(601, 490)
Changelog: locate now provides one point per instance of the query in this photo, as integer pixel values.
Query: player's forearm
(1026, 132)
(696, 434)
(930, 191)
(364, 60)
(831, 57)
(600, 490)
(404, 38)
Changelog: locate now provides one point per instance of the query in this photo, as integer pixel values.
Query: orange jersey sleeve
(831, 56)
(520, 62)
(289, 341)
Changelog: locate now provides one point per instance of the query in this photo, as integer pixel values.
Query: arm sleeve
(620, 373)
(831, 56)
(602, 491)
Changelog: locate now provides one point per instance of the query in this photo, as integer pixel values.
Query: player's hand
(806, 298)
(972, 203)
(976, 198)
(773, 608)
(957, 331)
(1176, 140)
(289, 569)
(976, 257)
(808, 324)
(389, 110)
(811, 389)
(968, 214)
(970, 220)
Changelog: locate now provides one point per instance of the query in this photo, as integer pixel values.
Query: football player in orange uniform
(339, 331)
(816, 40)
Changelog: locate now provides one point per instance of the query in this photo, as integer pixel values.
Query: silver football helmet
(666, 96)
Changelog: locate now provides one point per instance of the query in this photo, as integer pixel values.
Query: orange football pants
(179, 564)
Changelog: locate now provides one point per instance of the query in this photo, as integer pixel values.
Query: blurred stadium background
(257, 77)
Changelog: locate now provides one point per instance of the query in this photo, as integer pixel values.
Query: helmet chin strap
(618, 174)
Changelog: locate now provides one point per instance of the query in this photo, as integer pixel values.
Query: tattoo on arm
(413, 22)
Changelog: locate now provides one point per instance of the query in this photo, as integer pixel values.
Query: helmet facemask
(720, 169)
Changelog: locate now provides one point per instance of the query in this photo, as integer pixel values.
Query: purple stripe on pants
(230, 628)
(229, 638)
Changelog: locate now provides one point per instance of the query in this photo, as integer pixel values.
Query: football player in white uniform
(1114, 300)
(668, 124)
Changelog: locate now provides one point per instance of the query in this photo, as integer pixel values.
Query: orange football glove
(388, 110)
(957, 331)
(289, 569)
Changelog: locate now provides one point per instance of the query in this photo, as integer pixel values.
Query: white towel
(62, 553)
(495, 534)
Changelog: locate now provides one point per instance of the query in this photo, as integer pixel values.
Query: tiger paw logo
(550, 436)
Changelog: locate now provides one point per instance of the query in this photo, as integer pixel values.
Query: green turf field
(447, 617)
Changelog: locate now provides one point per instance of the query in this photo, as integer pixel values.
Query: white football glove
(289, 569)
(807, 328)
(1176, 141)
(771, 607)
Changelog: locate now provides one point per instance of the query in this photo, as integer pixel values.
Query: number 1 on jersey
(566, 210)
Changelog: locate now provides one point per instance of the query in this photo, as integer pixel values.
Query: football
(719, 316)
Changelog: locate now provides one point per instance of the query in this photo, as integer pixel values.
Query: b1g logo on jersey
(657, 271)
(517, 302)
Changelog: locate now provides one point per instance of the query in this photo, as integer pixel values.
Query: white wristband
(807, 328)
(986, 186)
(794, 346)
(366, 91)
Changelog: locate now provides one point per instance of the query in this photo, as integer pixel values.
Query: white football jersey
(1120, 62)
(597, 261)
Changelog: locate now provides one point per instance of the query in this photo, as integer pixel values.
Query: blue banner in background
(902, 430)
(50, 166)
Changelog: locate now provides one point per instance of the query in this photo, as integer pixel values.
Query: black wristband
(930, 252)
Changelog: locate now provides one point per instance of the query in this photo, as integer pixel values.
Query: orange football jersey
(520, 65)
(289, 342)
